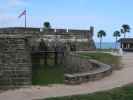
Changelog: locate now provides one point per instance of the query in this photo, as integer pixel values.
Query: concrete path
(117, 79)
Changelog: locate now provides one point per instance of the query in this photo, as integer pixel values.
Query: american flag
(22, 14)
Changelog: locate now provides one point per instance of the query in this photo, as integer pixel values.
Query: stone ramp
(117, 79)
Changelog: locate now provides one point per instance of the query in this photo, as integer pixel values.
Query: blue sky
(108, 15)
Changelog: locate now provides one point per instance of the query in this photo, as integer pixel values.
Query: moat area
(117, 79)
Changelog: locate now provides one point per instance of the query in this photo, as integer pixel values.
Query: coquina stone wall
(82, 39)
(15, 64)
(15, 61)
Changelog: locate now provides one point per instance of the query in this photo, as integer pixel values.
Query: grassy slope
(103, 57)
(44, 75)
(124, 93)
(48, 75)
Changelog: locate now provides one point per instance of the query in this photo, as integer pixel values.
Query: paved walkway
(117, 79)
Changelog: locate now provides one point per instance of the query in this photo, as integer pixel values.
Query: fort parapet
(12, 30)
(82, 37)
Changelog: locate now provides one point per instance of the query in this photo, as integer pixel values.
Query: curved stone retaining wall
(103, 71)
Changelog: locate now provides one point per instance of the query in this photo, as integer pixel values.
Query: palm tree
(47, 25)
(125, 28)
(116, 34)
(100, 35)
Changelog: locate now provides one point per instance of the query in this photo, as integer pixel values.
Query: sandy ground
(117, 79)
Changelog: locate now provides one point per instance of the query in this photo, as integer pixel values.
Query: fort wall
(15, 63)
(17, 30)
(83, 38)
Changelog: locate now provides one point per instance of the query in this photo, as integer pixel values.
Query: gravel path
(117, 79)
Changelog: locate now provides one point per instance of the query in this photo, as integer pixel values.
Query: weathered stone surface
(75, 64)
(15, 64)
(99, 73)
(81, 38)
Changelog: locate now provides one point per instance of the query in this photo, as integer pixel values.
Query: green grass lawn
(47, 74)
(103, 57)
(124, 93)
(107, 50)
(54, 74)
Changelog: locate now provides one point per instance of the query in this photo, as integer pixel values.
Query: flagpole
(25, 18)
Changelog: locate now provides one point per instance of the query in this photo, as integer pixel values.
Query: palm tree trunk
(100, 42)
(116, 43)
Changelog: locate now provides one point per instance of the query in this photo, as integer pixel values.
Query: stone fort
(16, 44)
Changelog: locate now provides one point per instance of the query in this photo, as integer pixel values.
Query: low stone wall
(78, 78)
(75, 64)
